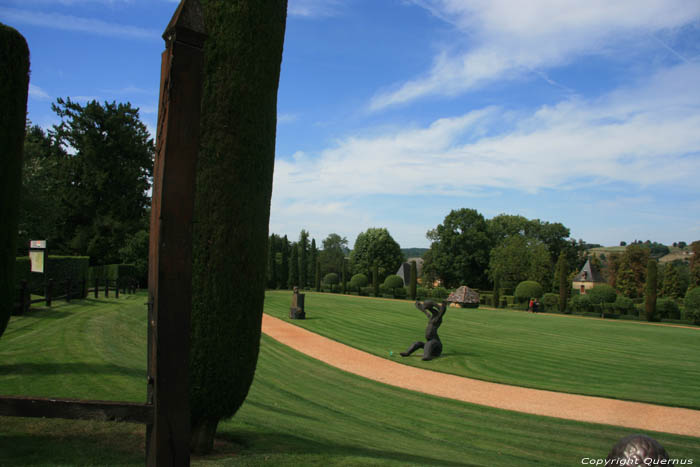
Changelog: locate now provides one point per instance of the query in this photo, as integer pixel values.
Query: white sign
(37, 244)
(36, 257)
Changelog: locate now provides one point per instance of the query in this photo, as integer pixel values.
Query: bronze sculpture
(637, 450)
(432, 347)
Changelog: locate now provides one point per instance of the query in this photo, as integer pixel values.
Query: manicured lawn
(299, 411)
(623, 360)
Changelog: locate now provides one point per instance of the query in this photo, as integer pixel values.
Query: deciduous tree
(460, 249)
(376, 246)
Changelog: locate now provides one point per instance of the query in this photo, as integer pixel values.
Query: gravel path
(534, 401)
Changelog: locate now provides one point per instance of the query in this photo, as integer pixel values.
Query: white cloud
(287, 118)
(643, 135)
(313, 8)
(75, 24)
(509, 37)
(35, 92)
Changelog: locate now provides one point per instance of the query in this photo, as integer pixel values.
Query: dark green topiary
(14, 86)
(344, 270)
(413, 283)
(393, 281)
(318, 275)
(527, 290)
(497, 291)
(242, 58)
(358, 281)
(331, 279)
(623, 305)
(650, 291)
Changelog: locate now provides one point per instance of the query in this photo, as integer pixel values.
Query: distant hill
(674, 253)
(413, 252)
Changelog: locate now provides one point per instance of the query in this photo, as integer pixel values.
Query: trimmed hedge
(14, 88)
(550, 302)
(667, 308)
(603, 293)
(58, 268)
(112, 272)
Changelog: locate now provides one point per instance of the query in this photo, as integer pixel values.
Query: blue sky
(391, 113)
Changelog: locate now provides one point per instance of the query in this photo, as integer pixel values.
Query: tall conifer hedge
(650, 292)
(14, 86)
(232, 205)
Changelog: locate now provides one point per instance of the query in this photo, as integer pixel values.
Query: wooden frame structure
(166, 411)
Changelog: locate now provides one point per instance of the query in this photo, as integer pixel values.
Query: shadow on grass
(70, 368)
(30, 441)
(254, 443)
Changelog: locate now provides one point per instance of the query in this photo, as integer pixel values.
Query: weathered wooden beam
(21, 406)
(170, 249)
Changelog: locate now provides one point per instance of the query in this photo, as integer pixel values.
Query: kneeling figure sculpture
(432, 347)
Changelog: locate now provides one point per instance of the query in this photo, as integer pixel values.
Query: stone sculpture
(432, 347)
(296, 311)
(637, 450)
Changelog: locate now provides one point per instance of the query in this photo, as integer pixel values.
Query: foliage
(135, 251)
(668, 309)
(459, 252)
(692, 305)
(335, 248)
(581, 304)
(602, 293)
(242, 60)
(375, 280)
(283, 255)
(439, 293)
(519, 258)
(550, 302)
(623, 305)
(694, 273)
(376, 246)
(528, 289)
(293, 280)
(313, 273)
(631, 276)
(344, 276)
(675, 280)
(358, 281)
(413, 281)
(399, 292)
(42, 213)
(496, 291)
(393, 281)
(14, 85)
(650, 291)
(331, 279)
(303, 246)
(561, 281)
(104, 184)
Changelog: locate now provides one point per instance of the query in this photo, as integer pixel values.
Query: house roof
(589, 273)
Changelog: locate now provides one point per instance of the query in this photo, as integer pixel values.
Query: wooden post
(170, 249)
(106, 287)
(97, 287)
(116, 288)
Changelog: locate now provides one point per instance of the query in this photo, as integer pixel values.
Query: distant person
(531, 305)
(536, 306)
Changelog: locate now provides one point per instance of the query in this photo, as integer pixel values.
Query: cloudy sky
(391, 113)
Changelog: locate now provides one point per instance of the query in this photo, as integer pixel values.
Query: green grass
(623, 360)
(299, 412)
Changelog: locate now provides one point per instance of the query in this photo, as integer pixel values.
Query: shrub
(527, 290)
(331, 279)
(668, 309)
(602, 294)
(365, 291)
(692, 305)
(550, 302)
(422, 293)
(439, 293)
(358, 281)
(581, 304)
(14, 82)
(400, 292)
(623, 305)
(393, 281)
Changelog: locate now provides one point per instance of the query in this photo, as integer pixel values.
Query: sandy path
(534, 401)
